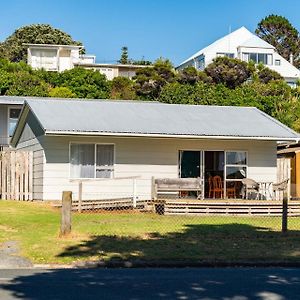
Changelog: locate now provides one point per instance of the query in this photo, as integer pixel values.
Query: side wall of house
(142, 158)
(31, 140)
(3, 123)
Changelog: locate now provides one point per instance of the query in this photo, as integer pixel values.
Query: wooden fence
(283, 173)
(16, 175)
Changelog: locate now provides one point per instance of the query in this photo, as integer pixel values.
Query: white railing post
(80, 196)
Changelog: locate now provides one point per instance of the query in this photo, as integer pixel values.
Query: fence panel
(16, 175)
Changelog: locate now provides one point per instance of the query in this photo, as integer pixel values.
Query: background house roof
(240, 37)
(134, 118)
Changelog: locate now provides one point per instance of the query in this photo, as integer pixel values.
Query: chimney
(292, 58)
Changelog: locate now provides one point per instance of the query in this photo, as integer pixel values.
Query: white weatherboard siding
(30, 141)
(142, 157)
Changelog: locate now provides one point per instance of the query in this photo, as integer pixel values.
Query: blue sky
(150, 28)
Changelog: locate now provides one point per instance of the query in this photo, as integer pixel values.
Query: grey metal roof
(64, 116)
(13, 100)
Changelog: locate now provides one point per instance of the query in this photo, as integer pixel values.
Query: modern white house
(56, 57)
(113, 70)
(116, 147)
(65, 57)
(246, 46)
(10, 109)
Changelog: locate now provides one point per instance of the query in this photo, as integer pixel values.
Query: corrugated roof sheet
(138, 117)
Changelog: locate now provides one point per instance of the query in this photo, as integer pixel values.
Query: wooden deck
(224, 207)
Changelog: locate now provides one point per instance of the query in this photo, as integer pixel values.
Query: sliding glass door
(214, 174)
(220, 171)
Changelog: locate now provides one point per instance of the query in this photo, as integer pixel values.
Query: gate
(16, 175)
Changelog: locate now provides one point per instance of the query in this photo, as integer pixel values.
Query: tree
(191, 75)
(14, 50)
(265, 75)
(6, 80)
(124, 56)
(122, 88)
(229, 71)
(26, 84)
(150, 80)
(142, 62)
(85, 83)
(61, 92)
(279, 32)
(188, 75)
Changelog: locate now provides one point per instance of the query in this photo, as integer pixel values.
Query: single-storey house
(109, 143)
(10, 108)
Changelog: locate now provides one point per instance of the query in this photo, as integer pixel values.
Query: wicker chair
(280, 187)
(250, 187)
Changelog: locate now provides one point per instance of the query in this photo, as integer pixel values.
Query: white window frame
(277, 62)
(95, 160)
(247, 54)
(235, 165)
(8, 117)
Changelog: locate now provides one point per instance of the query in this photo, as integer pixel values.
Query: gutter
(157, 135)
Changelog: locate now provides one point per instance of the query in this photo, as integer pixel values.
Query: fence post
(134, 193)
(284, 227)
(80, 197)
(65, 225)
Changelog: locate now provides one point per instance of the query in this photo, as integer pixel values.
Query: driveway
(135, 284)
(10, 258)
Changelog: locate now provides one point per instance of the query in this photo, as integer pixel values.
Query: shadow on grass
(226, 243)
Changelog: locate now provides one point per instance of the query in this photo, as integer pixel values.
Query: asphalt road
(189, 283)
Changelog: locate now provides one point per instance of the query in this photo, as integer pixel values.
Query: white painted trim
(157, 135)
(95, 161)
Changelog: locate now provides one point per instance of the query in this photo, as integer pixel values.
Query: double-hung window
(91, 160)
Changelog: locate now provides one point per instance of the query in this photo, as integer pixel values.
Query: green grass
(132, 236)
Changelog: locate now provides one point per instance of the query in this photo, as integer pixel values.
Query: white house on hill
(244, 45)
(56, 57)
(65, 57)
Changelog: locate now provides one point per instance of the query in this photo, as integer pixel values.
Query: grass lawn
(140, 236)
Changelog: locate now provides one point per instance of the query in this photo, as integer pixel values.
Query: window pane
(277, 62)
(253, 56)
(262, 58)
(236, 158)
(236, 172)
(104, 161)
(245, 56)
(14, 113)
(270, 59)
(13, 119)
(82, 160)
(11, 126)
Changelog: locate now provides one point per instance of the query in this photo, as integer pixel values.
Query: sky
(149, 28)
